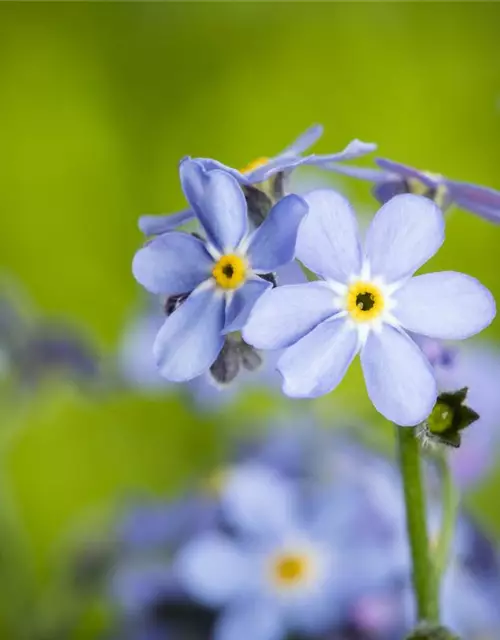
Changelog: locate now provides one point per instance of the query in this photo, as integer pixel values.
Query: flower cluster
(221, 280)
(301, 535)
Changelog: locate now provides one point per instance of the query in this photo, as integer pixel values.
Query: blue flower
(255, 497)
(366, 303)
(259, 171)
(137, 585)
(221, 274)
(395, 178)
(163, 525)
(265, 585)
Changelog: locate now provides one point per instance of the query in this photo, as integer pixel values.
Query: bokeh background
(98, 102)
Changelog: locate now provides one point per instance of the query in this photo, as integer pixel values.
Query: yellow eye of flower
(365, 301)
(230, 271)
(290, 569)
(255, 164)
(417, 187)
(437, 194)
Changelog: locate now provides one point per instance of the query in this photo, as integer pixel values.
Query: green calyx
(449, 417)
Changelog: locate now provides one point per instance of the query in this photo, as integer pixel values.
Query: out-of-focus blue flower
(137, 585)
(266, 585)
(221, 275)
(440, 354)
(256, 498)
(319, 551)
(164, 525)
(261, 170)
(366, 303)
(292, 447)
(394, 178)
(33, 349)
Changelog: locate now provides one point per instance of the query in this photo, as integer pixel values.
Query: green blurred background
(98, 102)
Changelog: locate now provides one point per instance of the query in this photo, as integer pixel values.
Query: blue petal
(137, 587)
(355, 149)
(291, 273)
(362, 173)
(147, 525)
(328, 241)
(384, 191)
(191, 338)
(172, 263)
(154, 225)
(405, 171)
(405, 233)
(209, 165)
(316, 364)
(253, 620)
(481, 200)
(304, 141)
(399, 379)
(213, 569)
(218, 202)
(275, 165)
(273, 243)
(446, 305)
(242, 303)
(286, 314)
(259, 501)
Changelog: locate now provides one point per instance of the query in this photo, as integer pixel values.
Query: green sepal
(450, 416)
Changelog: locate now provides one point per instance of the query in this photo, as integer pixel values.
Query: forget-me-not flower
(259, 171)
(221, 274)
(394, 178)
(367, 301)
(286, 579)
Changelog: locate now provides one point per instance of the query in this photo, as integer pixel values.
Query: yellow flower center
(437, 194)
(290, 569)
(230, 271)
(365, 301)
(417, 187)
(255, 164)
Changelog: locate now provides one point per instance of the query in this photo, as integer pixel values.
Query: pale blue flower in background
(366, 303)
(266, 585)
(136, 585)
(314, 548)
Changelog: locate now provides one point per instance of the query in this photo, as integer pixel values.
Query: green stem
(450, 501)
(423, 575)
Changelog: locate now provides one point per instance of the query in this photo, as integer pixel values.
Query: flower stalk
(423, 572)
(450, 501)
